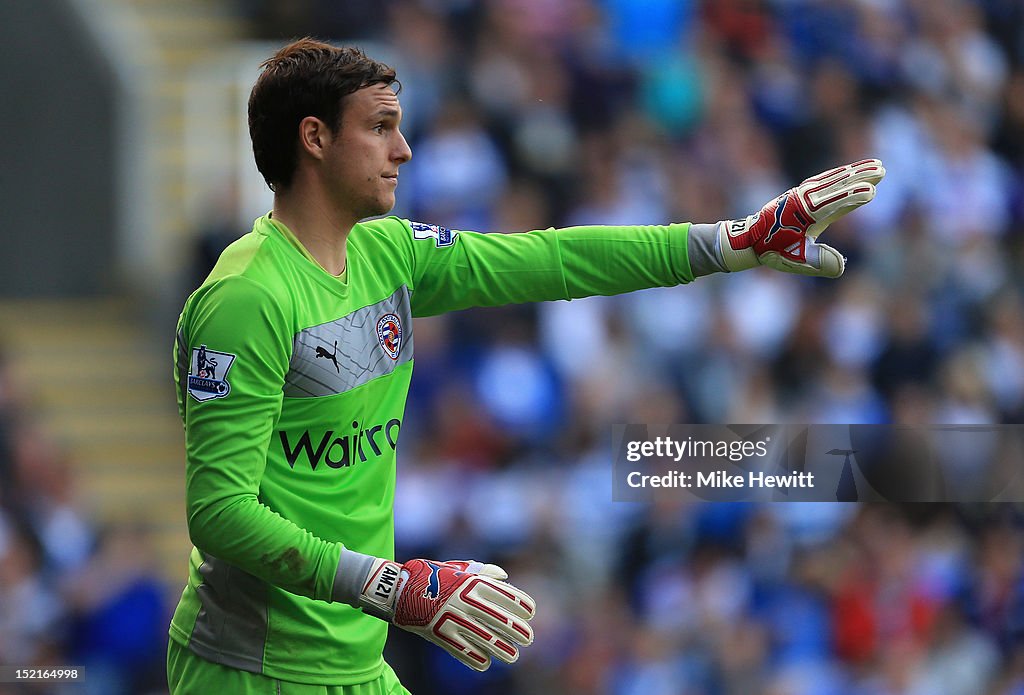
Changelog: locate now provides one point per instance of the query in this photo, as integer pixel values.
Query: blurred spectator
(119, 616)
(457, 172)
(47, 500)
(220, 228)
(31, 619)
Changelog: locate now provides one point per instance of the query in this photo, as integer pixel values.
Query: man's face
(363, 158)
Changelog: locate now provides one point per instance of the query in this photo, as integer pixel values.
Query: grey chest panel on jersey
(340, 355)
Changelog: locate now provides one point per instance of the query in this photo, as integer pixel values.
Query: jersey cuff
(703, 250)
(353, 568)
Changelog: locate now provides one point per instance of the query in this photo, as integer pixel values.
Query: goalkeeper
(290, 472)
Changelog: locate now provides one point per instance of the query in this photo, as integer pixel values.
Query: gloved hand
(782, 234)
(466, 607)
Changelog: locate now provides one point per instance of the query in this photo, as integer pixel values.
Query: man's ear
(314, 135)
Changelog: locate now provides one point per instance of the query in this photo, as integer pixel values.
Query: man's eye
(379, 128)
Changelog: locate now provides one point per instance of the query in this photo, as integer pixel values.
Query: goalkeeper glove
(782, 234)
(465, 607)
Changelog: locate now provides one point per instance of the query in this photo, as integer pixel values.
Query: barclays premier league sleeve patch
(207, 374)
(442, 236)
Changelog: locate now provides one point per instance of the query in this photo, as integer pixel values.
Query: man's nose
(403, 153)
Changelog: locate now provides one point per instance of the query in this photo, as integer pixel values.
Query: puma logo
(321, 352)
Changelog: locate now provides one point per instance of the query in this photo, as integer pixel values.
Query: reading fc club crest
(207, 375)
(389, 334)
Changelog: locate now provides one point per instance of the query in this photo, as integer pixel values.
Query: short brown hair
(305, 78)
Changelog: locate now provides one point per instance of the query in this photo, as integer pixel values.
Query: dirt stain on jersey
(289, 560)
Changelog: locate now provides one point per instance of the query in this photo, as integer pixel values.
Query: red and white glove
(782, 234)
(466, 607)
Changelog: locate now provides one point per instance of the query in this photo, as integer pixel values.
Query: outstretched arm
(455, 270)
(475, 269)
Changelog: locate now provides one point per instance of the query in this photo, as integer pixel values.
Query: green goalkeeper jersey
(292, 384)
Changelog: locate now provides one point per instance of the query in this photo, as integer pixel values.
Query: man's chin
(381, 207)
(376, 211)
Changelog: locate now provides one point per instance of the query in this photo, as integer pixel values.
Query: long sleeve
(229, 418)
(457, 270)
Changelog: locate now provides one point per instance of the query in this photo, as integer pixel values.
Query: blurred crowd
(525, 114)
(72, 594)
